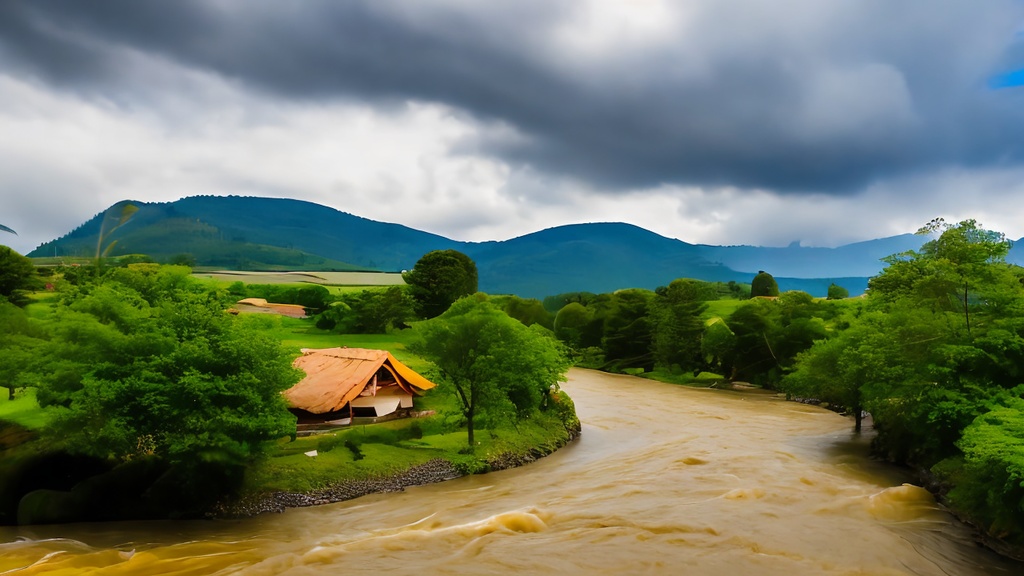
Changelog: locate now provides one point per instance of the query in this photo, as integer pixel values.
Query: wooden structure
(342, 383)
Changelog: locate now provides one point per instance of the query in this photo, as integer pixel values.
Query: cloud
(727, 121)
(791, 95)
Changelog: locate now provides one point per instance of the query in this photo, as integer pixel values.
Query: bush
(764, 284)
(837, 292)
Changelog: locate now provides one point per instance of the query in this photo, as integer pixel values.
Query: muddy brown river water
(664, 480)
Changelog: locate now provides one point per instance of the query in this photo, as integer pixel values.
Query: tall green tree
(17, 276)
(571, 326)
(769, 334)
(627, 329)
(677, 310)
(21, 340)
(440, 278)
(496, 367)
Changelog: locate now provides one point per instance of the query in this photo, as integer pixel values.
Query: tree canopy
(497, 367)
(837, 292)
(440, 278)
(764, 284)
(935, 355)
(17, 275)
(144, 361)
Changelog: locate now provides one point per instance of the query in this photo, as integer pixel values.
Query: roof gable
(336, 376)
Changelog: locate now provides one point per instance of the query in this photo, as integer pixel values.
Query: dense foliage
(837, 292)
(498, 368)
(370, 311)
(937, 358)
(675, 330)
(17, 276)
(440, 278)
(144, 361)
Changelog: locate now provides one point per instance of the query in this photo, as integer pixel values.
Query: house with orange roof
(345, 383)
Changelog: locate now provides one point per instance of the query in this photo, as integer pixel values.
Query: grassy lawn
(702, 380)
(380, 449)
(722, 308)
(23, 410)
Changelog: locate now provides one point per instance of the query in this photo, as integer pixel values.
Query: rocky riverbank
(437, 470)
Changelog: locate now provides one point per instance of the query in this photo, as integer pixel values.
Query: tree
(370, 311)
(769, 334)
(763, 284)
(17, 275)
(496, 367)
(716, 344)
(529, 311)
(440, 278)
(20, 340)
(144, 362)
(677, 311)
(627, 329)
(834, 370)
(837, 292)
(571, 324)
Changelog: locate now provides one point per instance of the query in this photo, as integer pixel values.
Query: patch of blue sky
(1007, 80)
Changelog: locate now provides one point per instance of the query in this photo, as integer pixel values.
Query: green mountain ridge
(251, 233)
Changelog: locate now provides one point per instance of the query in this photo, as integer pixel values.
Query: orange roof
(335, 376)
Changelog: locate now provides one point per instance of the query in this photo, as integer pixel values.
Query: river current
(664, 480)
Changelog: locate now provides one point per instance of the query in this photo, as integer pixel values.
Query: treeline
(683, 329)
(936, 355)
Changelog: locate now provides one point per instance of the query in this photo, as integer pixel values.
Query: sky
(712, 121)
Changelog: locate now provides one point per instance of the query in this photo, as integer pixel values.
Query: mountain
(255, 233)
(859, 259)
(267, 233)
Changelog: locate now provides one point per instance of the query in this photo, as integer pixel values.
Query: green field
(325, 278)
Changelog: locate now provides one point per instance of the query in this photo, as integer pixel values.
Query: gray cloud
(786, 96)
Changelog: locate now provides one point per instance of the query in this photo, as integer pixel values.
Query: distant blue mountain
(268, 233)
(862, 259)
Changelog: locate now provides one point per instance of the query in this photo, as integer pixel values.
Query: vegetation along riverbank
(133, 393)
(119, 358)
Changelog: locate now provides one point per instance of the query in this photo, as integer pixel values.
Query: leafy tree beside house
(498, 368)
(440, 278)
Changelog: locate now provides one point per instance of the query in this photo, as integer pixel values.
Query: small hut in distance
(345, 383)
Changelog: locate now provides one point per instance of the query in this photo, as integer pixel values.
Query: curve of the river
(664, 480)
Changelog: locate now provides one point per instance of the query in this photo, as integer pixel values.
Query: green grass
(702, 380)
(385, 450)
(23, 410)
(722, 308)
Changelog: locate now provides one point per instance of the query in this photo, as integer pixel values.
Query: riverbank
(430, 472)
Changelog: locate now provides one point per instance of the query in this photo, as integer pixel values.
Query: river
(664, 480)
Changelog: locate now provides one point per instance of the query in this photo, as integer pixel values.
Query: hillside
(280, 234)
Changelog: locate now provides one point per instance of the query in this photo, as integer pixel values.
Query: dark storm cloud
(788, 96)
